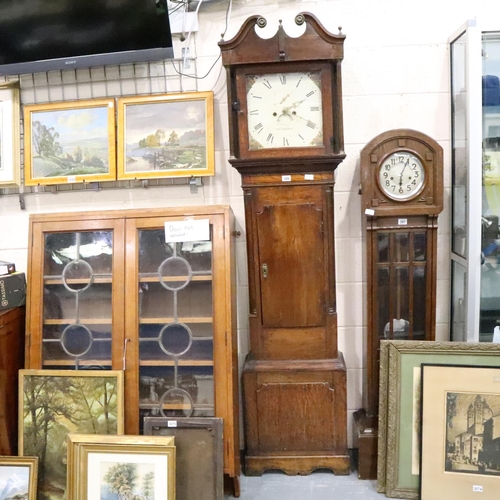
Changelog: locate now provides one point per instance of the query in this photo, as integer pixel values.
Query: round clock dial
(284, 110)
(401, 176)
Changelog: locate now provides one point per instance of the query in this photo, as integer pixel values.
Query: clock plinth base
(295, 465)
(367, 432)
(295, 415)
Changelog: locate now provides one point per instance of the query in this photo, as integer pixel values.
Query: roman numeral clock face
(284, 110)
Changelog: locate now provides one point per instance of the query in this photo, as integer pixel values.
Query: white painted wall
(395, 74)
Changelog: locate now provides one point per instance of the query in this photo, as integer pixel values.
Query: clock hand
(401, 174)
(293, 105)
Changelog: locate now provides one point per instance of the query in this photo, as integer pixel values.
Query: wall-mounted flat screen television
(44, 35)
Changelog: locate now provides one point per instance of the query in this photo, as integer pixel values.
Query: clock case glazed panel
(294, 378)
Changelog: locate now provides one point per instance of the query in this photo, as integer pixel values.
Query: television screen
(43, 35)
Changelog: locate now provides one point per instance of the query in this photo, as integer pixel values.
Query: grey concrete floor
(320, 485)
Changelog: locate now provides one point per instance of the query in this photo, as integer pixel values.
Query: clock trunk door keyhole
(264, 270)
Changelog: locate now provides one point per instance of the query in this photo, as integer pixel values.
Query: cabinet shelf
(70, 363)
(174, 406)
(180, 362)
(164, 321)
(153, 278)
(58, 280)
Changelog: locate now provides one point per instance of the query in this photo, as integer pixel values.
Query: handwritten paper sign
(187, 230)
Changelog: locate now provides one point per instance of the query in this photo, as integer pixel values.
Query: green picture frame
(399, 404)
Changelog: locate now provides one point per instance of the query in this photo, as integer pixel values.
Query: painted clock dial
(284, 110)
(401, 176)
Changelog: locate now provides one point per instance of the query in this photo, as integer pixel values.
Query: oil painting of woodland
(56, 404)
(167, 138)
(70, 142)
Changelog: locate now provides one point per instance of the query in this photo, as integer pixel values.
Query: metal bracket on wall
(194, 184)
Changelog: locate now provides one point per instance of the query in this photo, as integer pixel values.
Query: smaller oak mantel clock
(402, 196)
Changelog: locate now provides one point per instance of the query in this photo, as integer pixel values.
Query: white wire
(189, 34)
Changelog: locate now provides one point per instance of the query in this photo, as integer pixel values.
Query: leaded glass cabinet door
(177, 318)
(76, 291)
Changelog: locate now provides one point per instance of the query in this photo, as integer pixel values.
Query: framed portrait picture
(9, 136)
(199, 454)
(110, 467)
(69, 142)
(18, 477)
(166, 135)
(398, 462)
(53, 403)
(460, 432)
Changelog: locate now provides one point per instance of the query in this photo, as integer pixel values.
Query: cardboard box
(12, 290)
(7, 267)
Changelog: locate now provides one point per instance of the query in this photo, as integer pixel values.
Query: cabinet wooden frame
(124, 320)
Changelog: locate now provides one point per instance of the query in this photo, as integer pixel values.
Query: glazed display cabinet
(475, 252)
(150, 292)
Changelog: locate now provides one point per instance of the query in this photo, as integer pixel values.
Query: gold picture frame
(101, 465)
(54, 403)
(166, 135)
(24, 470)
(460, 425)
(399, 405)
(9, 135)
(70, 142)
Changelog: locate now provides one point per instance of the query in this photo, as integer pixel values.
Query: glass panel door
(175, 322)
(465, 52)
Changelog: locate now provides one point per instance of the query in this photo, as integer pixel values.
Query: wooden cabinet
(107, 291)
(11, 361)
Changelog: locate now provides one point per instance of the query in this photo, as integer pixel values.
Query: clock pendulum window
(286, 140)
(402, 196)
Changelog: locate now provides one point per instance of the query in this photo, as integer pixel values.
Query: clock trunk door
(292, 265)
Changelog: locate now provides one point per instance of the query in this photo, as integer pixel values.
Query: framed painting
(70, 142)
(398, 463)
(166, 135)
(54, 403)
(9, 136)
(199, 454)
(126, 467)
(460, 454)
(18, 476)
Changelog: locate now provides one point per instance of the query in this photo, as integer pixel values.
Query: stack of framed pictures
(398, 465)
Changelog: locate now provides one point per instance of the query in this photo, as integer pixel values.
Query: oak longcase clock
(286, 139)
(402, 196)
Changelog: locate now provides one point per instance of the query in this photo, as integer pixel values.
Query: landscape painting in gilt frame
(54, 403)
(167, 135)
(70, 142)
(9, 136)
(460, 432)
(121, 467)
(18, 477)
